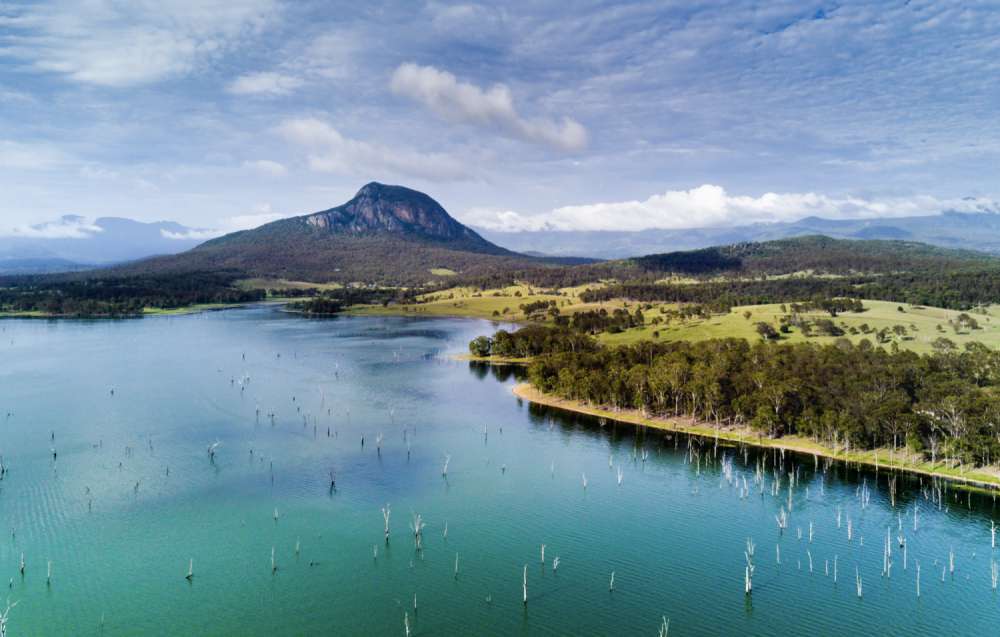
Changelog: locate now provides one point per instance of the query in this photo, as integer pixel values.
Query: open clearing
(284, 284)
(923, 325)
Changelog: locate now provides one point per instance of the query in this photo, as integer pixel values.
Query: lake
(106, 427)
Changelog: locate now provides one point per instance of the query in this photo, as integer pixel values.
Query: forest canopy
(124, 296)
(942, 406)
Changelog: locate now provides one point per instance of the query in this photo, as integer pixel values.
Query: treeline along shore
(935, 413)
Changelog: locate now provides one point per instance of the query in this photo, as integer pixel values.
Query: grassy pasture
(921, 323)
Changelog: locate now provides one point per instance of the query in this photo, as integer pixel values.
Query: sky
(591, 115)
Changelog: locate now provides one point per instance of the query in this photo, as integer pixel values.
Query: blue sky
(221, 114)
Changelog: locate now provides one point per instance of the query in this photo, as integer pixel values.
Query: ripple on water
(674, 536)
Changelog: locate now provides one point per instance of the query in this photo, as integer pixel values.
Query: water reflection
(625, 439)
(499, 371)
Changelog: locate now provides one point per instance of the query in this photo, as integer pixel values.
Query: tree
(942, 345)
(481, 346)
(766, 331)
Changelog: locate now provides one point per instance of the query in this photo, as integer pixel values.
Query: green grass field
(284, 284)
(921, 323)
(502, 304)
(473, 303)
(921, 326)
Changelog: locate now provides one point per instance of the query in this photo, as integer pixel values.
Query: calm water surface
(131, 495)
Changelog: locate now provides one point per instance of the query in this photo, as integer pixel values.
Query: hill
(815, 254)
(385, 234)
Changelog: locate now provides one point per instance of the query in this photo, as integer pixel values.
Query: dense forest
(943, 406)
(77, 296)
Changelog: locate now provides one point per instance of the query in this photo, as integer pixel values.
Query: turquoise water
(120, 530)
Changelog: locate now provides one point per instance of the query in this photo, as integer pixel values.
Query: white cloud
(446, 17)
(111, 43)
(266, 83)
(18, 155)
(191, 235)
(261, 215)
(326, 57)
(12, 96)
(68, 227)
(332, 152)
(463, 102)
(249, 222)
(266, 167)
(709, 205)
(505, 220)
(98, 172)
(482, 26)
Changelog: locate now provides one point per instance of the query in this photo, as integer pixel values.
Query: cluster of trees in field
(531, 340)
(601, 320)
(944, 406)
(127, 296)
(293, 292)
(319, 306)
(831, 306)
(539, 310)
(335, 301)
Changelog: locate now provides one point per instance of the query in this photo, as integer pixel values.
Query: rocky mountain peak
(384, 209)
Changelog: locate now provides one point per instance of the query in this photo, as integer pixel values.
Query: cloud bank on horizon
(221, 113)
(710, 206)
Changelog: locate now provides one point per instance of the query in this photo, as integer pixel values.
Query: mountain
(973, 231)
(71, 243)
(395, 210)
(384, 234)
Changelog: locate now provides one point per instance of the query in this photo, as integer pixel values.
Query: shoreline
(402, 310)
(495, 360)
(744, 435)
(149, 312)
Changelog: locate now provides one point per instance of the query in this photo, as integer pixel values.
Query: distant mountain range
(396, 235)
(72, 243)
(387, 234)
(972, 231)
